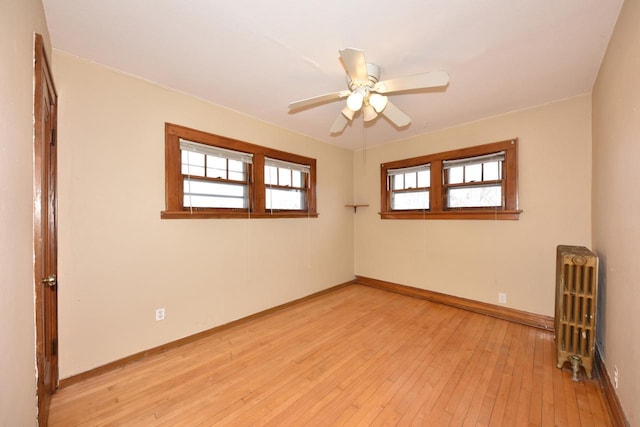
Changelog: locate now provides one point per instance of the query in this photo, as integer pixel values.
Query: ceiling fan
(367, 94)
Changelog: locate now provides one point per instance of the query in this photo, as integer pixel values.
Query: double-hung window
(210, 176)
(214, 177)
(478, 182)
(474, 182)
(286, 185)
(410, 187)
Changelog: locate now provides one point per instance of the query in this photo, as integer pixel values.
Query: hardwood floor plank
(516, 365)
(548, 370)
(354, 356)
(526, 387)
(562, 401)
(535, 407)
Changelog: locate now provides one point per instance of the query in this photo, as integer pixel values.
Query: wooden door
(45, 231)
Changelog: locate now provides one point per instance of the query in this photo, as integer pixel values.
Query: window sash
(414, 199)
(287, 165)
(394, 174)
(207, 170)
(290, 199)
(402, 171)
(211, 150)
(214, 194)
(485, 158)
(492, 197)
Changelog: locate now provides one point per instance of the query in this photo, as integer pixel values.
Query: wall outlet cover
(502, 298)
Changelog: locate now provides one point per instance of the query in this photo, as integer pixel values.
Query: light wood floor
(356, 357)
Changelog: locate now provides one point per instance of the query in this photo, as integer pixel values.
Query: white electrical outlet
(615, 377)
(159, 314)
(502, 298)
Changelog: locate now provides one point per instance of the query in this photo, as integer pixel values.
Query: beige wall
(18, 22)
(616, 204)
(478, 259)
(119, 261)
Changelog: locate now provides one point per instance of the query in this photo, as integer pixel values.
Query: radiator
(575, 314)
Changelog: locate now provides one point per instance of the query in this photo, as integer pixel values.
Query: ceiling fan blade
(340, 123)
(355, 64)
(396, 116)
(319, 99)
(418, 81)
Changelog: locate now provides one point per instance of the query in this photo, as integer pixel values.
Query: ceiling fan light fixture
(369, 113)
(348, 113)
(355, 100)
(378, 102)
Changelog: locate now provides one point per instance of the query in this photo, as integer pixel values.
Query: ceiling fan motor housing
(373, 72)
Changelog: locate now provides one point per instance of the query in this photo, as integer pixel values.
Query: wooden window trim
(438, 210)
(174, 195)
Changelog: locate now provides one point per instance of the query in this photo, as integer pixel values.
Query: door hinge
(53, 137)
(54, 347)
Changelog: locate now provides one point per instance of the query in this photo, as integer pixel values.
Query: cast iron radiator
(575, 313)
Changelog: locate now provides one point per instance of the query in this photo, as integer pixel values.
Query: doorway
(45, 223)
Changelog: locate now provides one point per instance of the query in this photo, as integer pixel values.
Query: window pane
(492, 171)
(398, 182)
(216, 162)
(192, 163)
(204, 194)
(285, 199)
(410, 180)
(271, 175)
(212, 202)
(216, 167)
(284, 177)
(410, 200)
(424, 179)
(456, 174)
(195, 159)
(297, 179)
(237, 176)
(236, 166)
(473, 173)
(475, 197)
(236, 170)
(192, 170)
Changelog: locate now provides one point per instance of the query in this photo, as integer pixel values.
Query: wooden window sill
(475, 214)
(232, 215)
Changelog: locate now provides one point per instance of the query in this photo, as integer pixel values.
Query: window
(214, 177)
(286, 184)
(471, 183)
(209, 176)
(410, 187)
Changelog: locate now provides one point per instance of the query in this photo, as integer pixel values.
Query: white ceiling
(258, 56)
